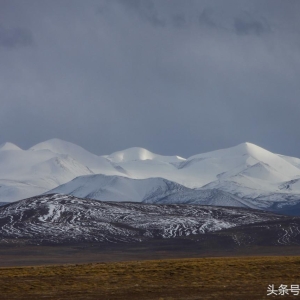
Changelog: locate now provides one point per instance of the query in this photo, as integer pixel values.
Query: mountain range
(64, 219)
(245, 176)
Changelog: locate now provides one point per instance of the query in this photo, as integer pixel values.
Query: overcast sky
(173, 76)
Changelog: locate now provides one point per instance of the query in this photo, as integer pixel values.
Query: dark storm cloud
(206, 18)
(15, 37)
(146, 10)
(179, 20)
(245, 27)
(176, 77)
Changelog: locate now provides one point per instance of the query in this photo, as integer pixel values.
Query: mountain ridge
(245, 172)
(61, 219)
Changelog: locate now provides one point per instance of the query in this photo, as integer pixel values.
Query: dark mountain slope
(66, 219)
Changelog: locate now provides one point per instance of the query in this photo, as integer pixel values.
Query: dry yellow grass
(201, 278)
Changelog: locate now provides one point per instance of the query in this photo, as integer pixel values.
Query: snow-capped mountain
(97, 164)
(244, 175)
(246, 163)
(136, 154)
(151, 190)
(26, 173)
(9, 146)
(117, 188)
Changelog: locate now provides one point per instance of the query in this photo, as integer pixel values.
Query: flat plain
(196, 278)
(161, 270)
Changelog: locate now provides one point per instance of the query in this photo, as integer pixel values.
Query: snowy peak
(137, 153)
(250, 149)
(95, 163)
(256, 153)
(117, 188)
(58, 146)
(245, 171)
(9, 146)
(232, 161)
(46, 166)
(130, 154)
(151, 190)
(239, 150)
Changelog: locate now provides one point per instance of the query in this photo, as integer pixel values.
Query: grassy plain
(233, 278)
